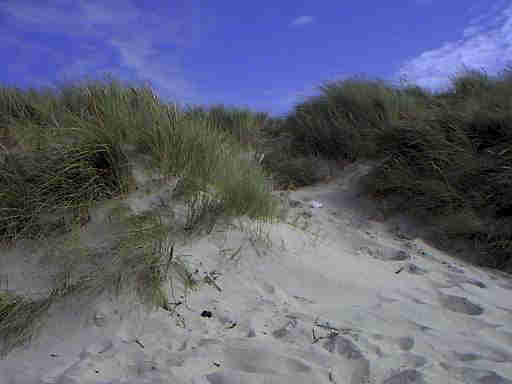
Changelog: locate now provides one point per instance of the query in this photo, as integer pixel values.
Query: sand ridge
(340, 296)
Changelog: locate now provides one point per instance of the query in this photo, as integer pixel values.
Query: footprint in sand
(473, 375)
(255, 364)
(404, 343)
(506, 285)
(345, 348)
(408, 376)
(460, 305)
(384, 253)
(335, 359)
(485, 352)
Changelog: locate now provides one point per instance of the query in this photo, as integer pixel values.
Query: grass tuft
(65, 152)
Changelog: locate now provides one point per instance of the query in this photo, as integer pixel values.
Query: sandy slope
(349, 300)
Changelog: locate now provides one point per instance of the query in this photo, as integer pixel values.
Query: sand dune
(338, 297)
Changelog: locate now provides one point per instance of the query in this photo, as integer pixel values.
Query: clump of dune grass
(454, 166)
(77, 150)
(446, 155)
(138, 258)
(290, 171)
(280, 157)
(44, 181)
(343, 121)
(243, 124)
(20, 317)
(96, 122)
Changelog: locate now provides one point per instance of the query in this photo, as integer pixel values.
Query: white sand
(441, 322)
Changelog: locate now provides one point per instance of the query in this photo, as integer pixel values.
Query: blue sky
(265, 55)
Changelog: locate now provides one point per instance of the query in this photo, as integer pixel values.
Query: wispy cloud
(487, 44)
(302, 20)
(115, 35)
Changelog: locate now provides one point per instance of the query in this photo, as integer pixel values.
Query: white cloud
(139, 55)
(105, 31)
(302, 20)
(487, 44)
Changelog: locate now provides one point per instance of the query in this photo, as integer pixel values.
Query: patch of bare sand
(338, 297)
